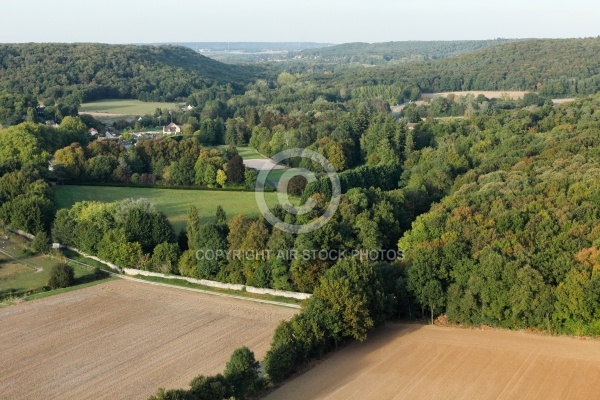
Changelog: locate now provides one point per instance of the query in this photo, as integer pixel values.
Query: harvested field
(124, 340)
(429, 362)
(120, 107)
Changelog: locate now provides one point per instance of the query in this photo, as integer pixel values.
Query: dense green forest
(63, 76)
(557, 67)
(393, 52)
(512, 242)
(76, 73)
(515, 244)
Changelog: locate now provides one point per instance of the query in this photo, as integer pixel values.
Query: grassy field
(28, 271)
(174, 203)
(248, 153)
(124, 107)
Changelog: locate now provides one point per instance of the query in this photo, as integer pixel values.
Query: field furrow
(124, 340)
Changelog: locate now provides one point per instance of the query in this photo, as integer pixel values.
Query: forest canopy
(87, 72)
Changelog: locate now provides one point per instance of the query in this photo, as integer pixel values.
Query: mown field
(174, 203)
(124, 107)
(248, 153)
(124, 340)
(431, 362)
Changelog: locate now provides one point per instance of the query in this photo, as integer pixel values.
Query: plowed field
(124, 340)
(428, 362)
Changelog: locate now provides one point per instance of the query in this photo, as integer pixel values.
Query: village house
(172, 129)
(109, 137)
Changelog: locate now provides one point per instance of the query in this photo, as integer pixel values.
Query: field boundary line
(130, 278)
(231, 296)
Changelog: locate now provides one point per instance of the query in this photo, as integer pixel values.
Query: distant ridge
(95, 71)
(397, 52)
(552, 67)
(250, 47)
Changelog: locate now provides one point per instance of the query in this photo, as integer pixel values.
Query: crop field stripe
(230, 296)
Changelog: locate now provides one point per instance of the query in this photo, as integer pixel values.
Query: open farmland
(124, 340)
(123, 107)
(174, 203)
(429, 362)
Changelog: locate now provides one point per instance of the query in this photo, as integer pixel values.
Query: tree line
(166, 161)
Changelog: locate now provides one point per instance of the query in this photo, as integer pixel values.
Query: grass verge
(84, 260)
(68, 289)
(182, 283)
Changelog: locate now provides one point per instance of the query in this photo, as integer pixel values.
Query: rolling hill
(89, 72)
(556, 67)
(395, 52)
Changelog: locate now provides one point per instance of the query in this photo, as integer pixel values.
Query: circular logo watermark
(282, 193)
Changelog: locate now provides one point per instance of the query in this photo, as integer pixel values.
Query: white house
(171, 129)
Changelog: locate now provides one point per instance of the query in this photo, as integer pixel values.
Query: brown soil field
(124, 340)
(430, 362)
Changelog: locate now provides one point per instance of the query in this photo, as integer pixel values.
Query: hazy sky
(335, 21)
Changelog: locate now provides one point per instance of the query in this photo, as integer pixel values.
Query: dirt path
(124, 339)
(428, 362)
(263, 164)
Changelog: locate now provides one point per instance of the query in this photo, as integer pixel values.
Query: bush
(163, 394)
(100, 274)
(41, 243)
(211, 388)
(242, 373)
(61, 276)
(164, 258)
(135, 178)
(297, 185)
(280, 363)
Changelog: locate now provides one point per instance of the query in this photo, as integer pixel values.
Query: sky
(326, 21)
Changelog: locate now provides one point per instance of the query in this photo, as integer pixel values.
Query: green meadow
(174, 203)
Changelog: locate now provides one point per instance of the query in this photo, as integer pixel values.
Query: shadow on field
(347, 364)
